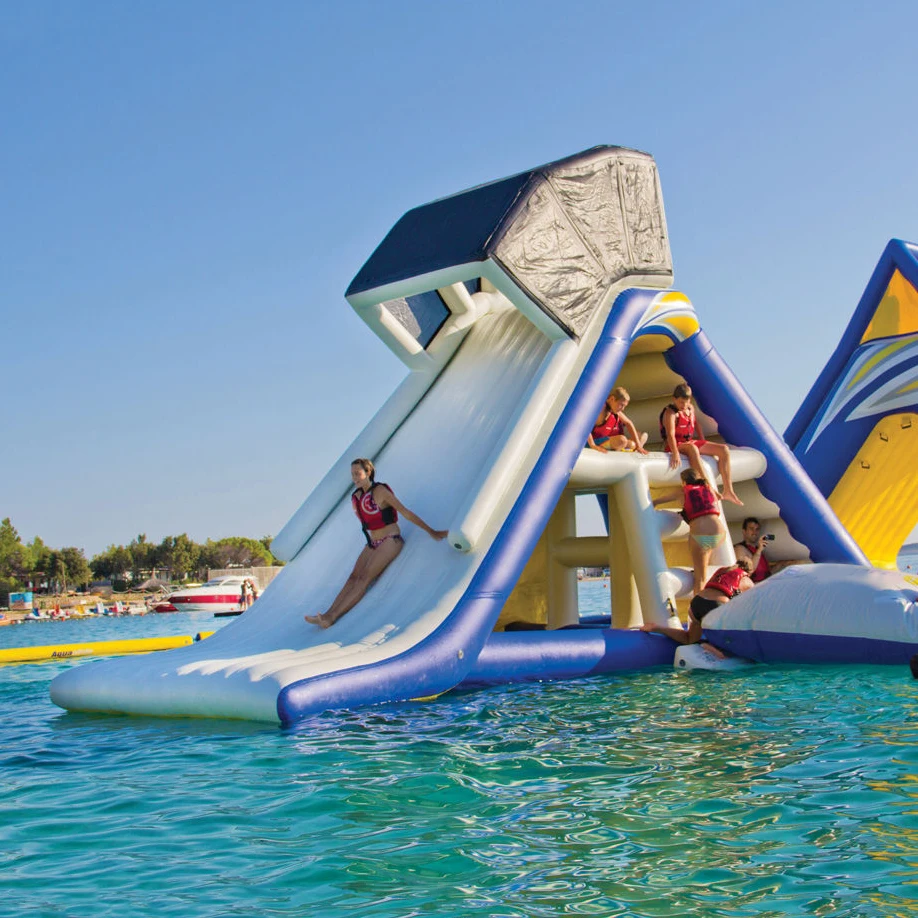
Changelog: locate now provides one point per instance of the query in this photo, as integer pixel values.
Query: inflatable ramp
(515, 306)
(856, 433)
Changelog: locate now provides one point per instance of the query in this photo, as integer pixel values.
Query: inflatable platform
(516, 306)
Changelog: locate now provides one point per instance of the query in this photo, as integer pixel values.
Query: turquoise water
(773, 792)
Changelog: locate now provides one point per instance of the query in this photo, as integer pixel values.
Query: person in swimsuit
(613, 430)
(701, 511)
(682, 435)
(726, 583)
(377, 508)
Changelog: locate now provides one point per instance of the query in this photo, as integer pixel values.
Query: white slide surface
(439, 456)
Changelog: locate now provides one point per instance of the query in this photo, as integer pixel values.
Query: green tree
(14, 558)
(143, 556)
(115, 561)
(236, 551)
(180, 554)
(68, 568)
(40, 556)
(76, 566)
(266, 541)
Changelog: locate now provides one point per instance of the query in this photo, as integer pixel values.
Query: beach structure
(516, 306)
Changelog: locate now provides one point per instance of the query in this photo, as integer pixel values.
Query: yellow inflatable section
(877, 497)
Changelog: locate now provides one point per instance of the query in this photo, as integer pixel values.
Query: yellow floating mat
(97, 649)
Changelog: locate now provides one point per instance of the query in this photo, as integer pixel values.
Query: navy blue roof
(455, 230)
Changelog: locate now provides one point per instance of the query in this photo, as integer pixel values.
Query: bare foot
(648, 627)
(731, 496)
(317, 620)
(642, 439)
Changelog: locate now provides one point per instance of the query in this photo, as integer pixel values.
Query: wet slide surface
(432, 462)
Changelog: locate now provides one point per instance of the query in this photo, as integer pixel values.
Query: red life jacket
(611, 427)
(685, 424)
(698, 500)
(727, 581)
(371, 515)
(762, 570)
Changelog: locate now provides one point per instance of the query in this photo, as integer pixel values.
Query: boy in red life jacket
(682, 435)
(726, 583)
(701, 510)
(613, 430)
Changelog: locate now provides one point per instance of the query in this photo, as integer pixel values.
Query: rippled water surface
(772, 792)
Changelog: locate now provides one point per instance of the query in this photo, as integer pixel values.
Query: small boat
(163, 607)
(222, 594)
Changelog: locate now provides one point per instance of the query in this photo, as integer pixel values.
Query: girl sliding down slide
(377, 508)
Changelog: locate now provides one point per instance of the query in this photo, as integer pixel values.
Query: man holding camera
(752, 548)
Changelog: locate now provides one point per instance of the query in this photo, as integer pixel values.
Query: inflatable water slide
(516, 306)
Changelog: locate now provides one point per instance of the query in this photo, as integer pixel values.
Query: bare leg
(690, 451)
(359, 566)
(722, 453)
(370, 564)
(613, 444)
(700, 558)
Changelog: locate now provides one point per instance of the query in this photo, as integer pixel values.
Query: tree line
(176, 557)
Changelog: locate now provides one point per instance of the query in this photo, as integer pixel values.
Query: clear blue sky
(186, 190)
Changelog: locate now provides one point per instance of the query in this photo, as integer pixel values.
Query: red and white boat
(221, 594)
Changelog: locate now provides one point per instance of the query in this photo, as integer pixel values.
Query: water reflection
(778, 791)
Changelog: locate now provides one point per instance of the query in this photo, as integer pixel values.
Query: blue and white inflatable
(821, 613)
(516, 306)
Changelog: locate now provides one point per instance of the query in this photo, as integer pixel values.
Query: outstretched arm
(689, 635)
(669, 428)
(386, 498)
(667, 498)
(632, 430)
(742, 551)
(591, 443)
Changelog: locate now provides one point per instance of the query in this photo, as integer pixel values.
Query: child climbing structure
(516, 306)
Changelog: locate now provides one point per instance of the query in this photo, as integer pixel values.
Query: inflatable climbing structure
(516, 306)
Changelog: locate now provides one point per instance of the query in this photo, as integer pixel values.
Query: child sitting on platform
(613, 430)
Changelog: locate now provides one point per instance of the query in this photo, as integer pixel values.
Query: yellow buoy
(97, 649)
